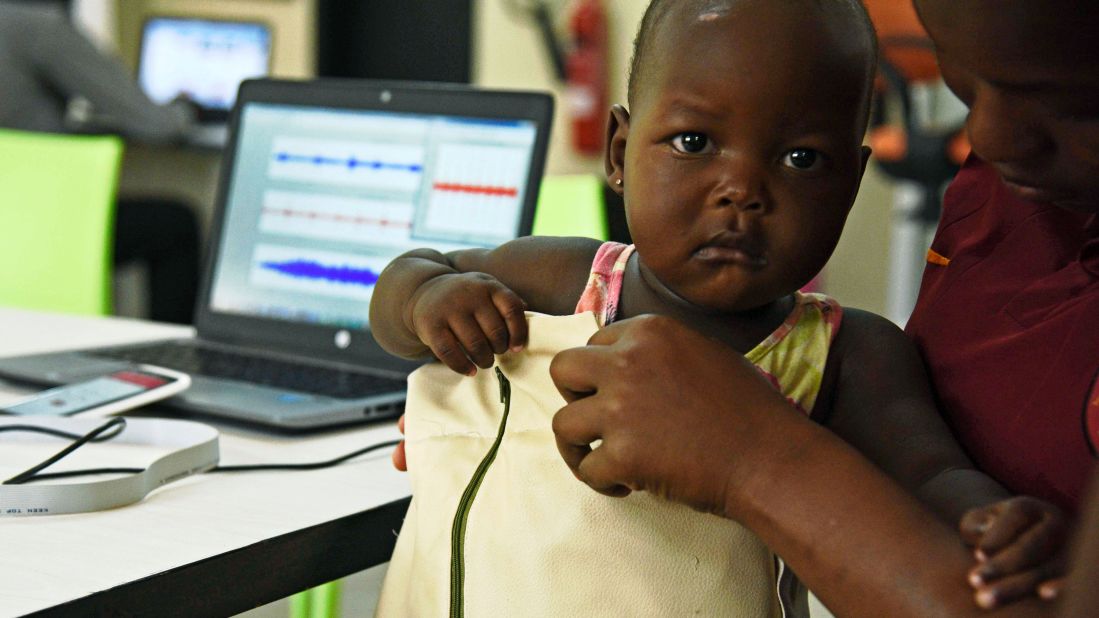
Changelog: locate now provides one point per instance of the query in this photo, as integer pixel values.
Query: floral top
(792, 357)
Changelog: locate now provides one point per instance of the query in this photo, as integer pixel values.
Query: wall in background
(858, 273)
(508, 53)
(425, 40)
(97, 19)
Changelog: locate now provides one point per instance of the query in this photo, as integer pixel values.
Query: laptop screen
(203, 59)
(320, 200)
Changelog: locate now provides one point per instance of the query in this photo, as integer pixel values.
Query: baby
(738, 160)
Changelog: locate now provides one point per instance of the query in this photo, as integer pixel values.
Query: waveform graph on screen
(476, 191)
(381, 166)
(328, 273)
(336, 218)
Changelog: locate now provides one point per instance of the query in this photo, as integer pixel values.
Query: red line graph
(309, 214)
(477, 189)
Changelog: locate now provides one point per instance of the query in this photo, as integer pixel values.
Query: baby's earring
(618, 182)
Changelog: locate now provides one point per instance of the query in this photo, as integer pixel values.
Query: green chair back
(320, 602)
(571, 205)
(57, 195)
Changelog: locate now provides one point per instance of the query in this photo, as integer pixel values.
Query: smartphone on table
(113, 393)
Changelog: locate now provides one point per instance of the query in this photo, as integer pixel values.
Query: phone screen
(82, 396)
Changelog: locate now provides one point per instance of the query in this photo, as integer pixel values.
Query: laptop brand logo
(342, 339)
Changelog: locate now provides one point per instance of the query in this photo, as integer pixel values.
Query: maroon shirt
(1009, 329)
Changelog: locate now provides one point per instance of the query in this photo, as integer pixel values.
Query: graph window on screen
(322, 200)
(203, 59)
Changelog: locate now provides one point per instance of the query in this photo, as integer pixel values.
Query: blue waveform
(349, 162)
(308, 269)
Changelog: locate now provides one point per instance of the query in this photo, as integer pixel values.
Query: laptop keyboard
(257, 370)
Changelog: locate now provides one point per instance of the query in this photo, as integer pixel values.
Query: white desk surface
(50, 560)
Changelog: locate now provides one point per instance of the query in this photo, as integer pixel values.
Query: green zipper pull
(458, 529)
(505, 389)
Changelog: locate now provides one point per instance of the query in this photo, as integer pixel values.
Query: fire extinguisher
(586, 75)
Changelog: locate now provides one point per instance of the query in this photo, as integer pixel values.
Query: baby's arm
(465, 306)
(883, 406)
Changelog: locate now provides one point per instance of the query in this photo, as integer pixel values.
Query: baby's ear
(614, 160)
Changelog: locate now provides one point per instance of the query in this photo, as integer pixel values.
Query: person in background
(1005, 322)
(55, 80)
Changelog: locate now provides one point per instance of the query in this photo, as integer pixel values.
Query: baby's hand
(399, 460)
(466, 318)
(1018, 544)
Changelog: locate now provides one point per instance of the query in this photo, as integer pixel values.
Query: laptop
(203, 59)
(322, 184)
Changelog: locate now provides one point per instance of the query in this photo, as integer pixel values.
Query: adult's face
(1029, 73)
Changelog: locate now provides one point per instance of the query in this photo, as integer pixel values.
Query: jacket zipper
(458, 529)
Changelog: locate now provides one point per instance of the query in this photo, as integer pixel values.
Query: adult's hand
(687, 418)
(677, 414)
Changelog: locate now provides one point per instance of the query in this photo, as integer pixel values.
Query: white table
(211, 545)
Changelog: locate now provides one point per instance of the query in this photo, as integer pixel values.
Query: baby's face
(743, 154)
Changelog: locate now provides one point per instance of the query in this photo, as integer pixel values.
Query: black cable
(306, 466)
(94, 436)
(544, 21)
(60, 434)
(543, 15)
(84, 472)
(29, 473)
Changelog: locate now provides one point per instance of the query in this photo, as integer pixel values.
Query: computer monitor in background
(203, 59)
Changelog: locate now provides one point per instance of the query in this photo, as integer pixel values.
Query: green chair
(320, 602)
(571, 205)
(57, 195)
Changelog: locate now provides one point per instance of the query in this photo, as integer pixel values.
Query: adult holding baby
(1005, 322)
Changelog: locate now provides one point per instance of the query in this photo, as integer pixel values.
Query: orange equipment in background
(579, 60)
(913, 143)
(586, 76)
(909, 150)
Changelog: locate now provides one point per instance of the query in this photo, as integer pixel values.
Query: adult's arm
(73, 67)
(687, 418)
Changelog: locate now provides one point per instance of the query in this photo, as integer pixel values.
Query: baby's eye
(691, 143)
(802, 159)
